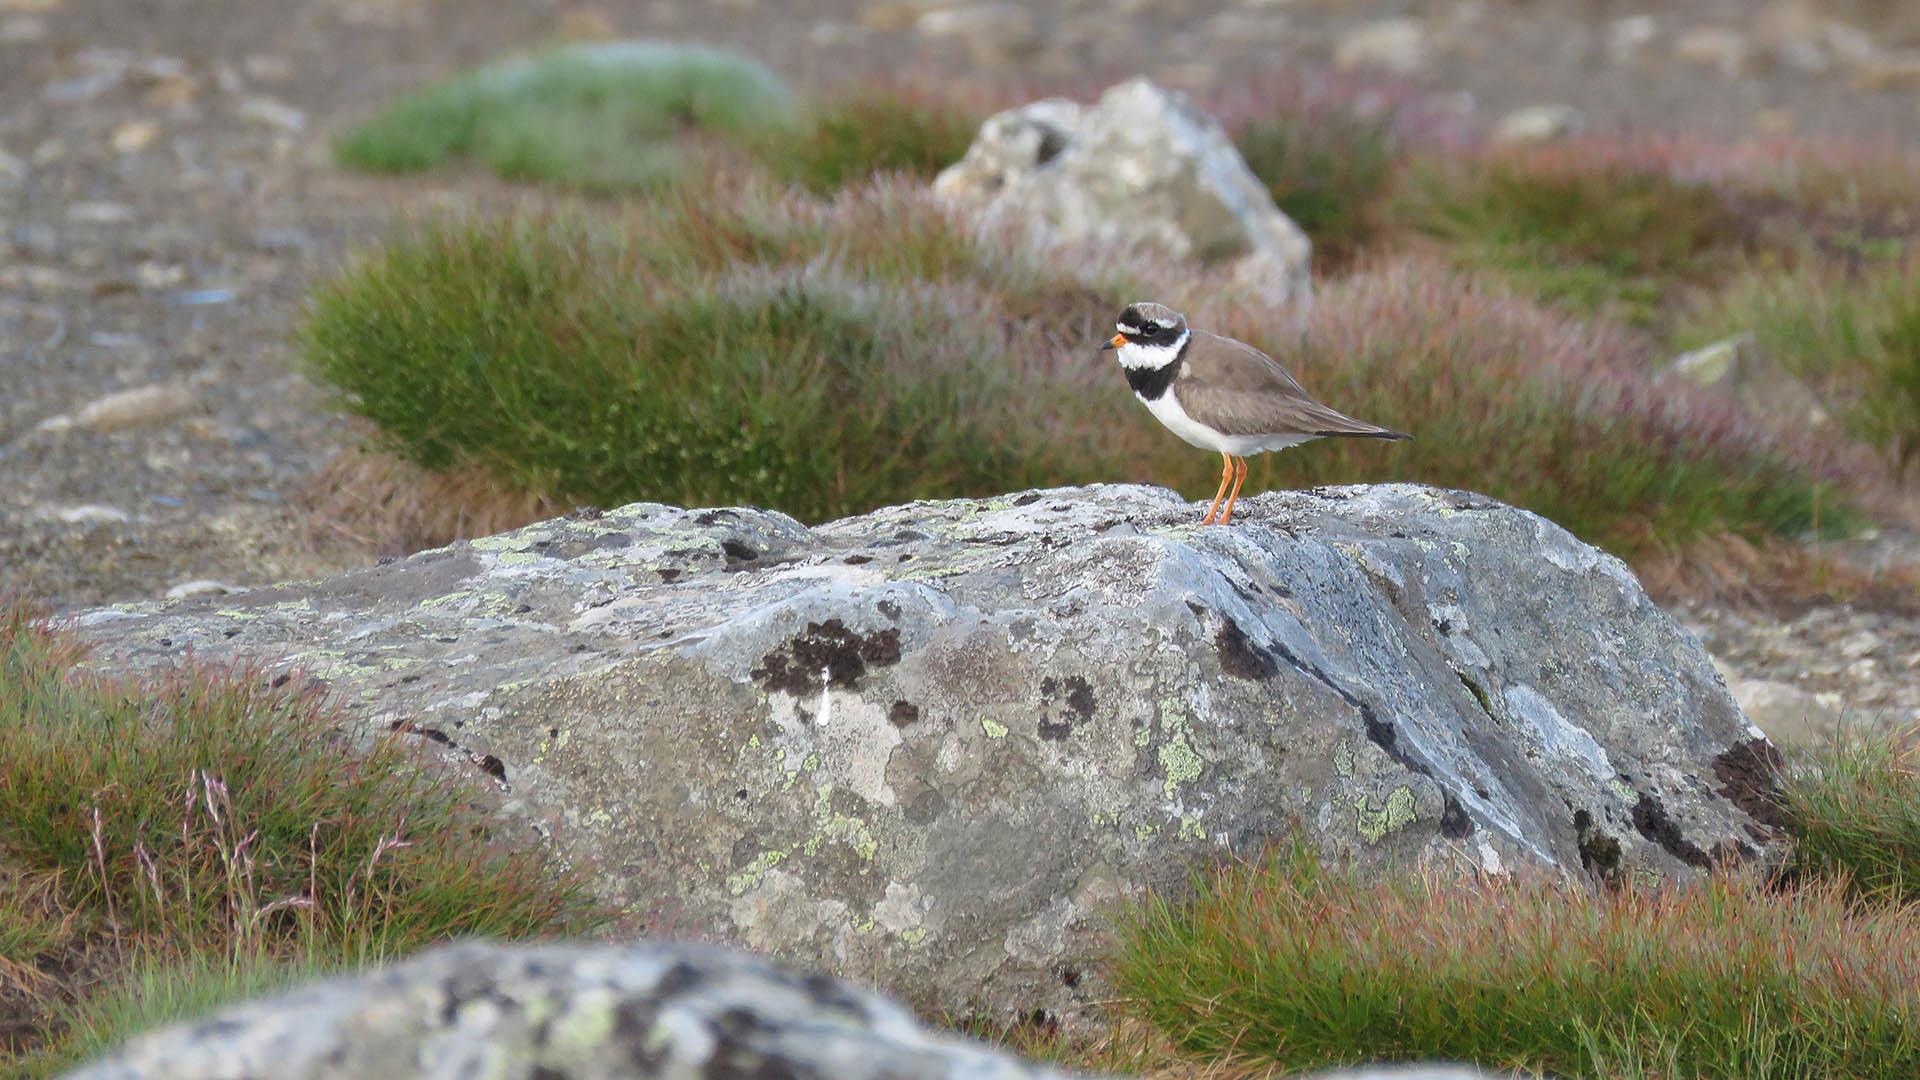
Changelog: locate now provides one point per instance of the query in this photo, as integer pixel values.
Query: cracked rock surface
(927, 745)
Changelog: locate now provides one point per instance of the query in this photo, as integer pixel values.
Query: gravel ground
(166, 198)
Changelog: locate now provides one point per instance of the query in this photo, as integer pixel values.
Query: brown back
(1236, 389)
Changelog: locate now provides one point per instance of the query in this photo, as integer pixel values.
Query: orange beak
(1118, 340)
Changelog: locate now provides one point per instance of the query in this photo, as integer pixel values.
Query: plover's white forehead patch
(1165, 324)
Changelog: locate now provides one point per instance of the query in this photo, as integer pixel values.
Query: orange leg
(1226, 474)
(1239, 477)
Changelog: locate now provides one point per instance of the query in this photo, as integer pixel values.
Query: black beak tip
(1108, 346)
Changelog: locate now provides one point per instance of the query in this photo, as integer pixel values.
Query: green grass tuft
(1854, 339)
(597, 117)
(849, 140)
(1593, 237)
(217, 820)
(1854, 809)
(775, 356)
(1306, 966)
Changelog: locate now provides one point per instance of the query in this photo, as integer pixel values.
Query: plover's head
(1149, 335)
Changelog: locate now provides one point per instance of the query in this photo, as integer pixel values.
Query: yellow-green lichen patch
(1343, 760)
(1190, 829)
(504, 542)
(994, 729)
(829, 825)
(586, 1022)
(1144, 736)
(1145, 832)
(807, 765)
(1178, 761)
(750, 877)
(549, 745)
(914, 936)
(1374, 824)
(1626, 793)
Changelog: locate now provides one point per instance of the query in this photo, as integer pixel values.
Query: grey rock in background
(1143, 168)
(929, 745)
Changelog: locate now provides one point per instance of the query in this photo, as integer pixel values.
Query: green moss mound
(597, 117)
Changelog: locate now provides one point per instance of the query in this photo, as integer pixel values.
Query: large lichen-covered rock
(1141, 168)
(927, 745)
(563, 1012)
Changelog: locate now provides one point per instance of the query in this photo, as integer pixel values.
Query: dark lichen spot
(668, 574)
(1651, 821)
(1070, 978)
(1240, 657)
(888, 608)
(1063, 703)
(713, 517)
(553, 733)
(903, 713)
(1454, 822)
(408, 727)
(281, 680)
(1041, 1022)
(492, 766)
(1028, 499)
(737, 552)
(1599, 853)
(166, 643)
(857, 559)
(830, 648)
(1051, 143)
(1749, 773)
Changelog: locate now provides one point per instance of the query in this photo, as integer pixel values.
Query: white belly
(1166, 409)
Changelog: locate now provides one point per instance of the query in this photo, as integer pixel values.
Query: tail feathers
(1368, 433)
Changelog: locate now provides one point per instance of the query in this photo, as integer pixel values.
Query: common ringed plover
(1222, 395)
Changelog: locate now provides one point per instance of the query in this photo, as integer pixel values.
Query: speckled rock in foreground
(924, 746)
(560, 1012)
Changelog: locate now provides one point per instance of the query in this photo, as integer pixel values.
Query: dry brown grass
(1778, 575)
(391, 507)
